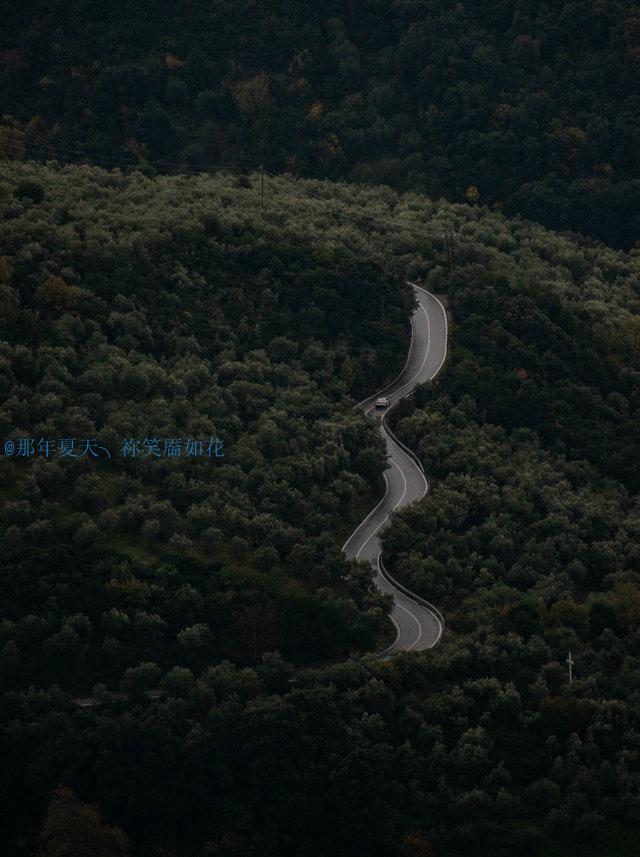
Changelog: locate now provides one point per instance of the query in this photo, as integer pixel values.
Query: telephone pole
(449, 235)
(261, 185)
(570, 661)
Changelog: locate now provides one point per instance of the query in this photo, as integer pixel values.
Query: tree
(138, 680)
(76, 829)
(251, 95)
(472, 194)
(416, 844)
(194, 644)
(12, 144)
(32, 190)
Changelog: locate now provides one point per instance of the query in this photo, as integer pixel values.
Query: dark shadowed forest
(205, 606)
(526, 105)
(211, 215)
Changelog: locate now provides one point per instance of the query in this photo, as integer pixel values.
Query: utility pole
(448, 235)
(570, 661)
(261, 185)
(452, 236)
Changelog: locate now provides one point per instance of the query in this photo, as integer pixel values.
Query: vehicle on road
(419, 625)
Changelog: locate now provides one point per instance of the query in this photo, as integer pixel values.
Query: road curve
(419, 625)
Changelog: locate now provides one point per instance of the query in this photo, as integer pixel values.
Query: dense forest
(528, 540)
(525, 105)
(122, 321)
(204, 605)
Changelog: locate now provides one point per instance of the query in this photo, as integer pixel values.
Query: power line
(51, 152)
(344, 211)
(449, 236)
(347, 213)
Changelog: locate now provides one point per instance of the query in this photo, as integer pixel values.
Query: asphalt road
(419, 625)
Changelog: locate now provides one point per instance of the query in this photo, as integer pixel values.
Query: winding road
(418, 623)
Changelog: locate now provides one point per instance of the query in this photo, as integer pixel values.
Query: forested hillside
(176, 306)
(528, 540)
(531, 548)
(125, 319)
(528, 105)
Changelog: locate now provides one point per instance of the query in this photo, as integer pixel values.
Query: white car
(382, 402)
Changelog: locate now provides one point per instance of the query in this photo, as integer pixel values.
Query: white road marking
(411, 380)
(426, 356)
(395, 445)
(372, 512)
(424, 478)
(417, 621)
(446, 327)
(388, 515)
(406, 362)
(396, 603)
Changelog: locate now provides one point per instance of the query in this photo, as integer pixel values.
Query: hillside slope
(177, 306)
(129, 321)
(532, 105)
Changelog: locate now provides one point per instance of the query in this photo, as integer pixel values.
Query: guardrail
(396, 439)
(417, 598)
